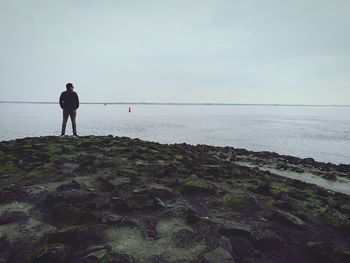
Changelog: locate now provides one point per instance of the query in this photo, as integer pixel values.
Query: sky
(226, 51)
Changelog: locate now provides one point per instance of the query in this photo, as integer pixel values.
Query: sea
(319, 132)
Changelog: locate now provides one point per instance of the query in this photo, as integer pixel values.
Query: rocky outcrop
(116, 199)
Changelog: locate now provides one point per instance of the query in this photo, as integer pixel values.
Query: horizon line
(185, 103)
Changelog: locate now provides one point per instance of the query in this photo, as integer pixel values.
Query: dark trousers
(72, 114)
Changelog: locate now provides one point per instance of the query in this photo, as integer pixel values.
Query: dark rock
(122, 258)
(120, 205)
(114, 184)
(110, 218)
(65, 212)
(286, 219)
(330, 176)
(5, 249)
(78, 235)
(158, 259)
(264, 188)
(55, 253)
(160, 191)
(150, 234)
(73, 185)
(185, 238)
(308, 161)
(218, 255)
(11, 217)
(235, 229)
(242, 246)
(197, 186)
(329, 252)
(267, 240)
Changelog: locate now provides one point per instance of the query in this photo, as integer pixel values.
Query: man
(69, 102)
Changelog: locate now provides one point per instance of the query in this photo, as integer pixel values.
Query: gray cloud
(191, 51)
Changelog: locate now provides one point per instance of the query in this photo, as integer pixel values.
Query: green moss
(53, 149)
(331, 216)
(42, 169)
(198, 183)
(279, 187)
(119, 149)
(197, 186)
(9, 167)
(236, 201)
(27, 147)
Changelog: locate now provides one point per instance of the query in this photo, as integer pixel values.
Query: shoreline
(108, 198)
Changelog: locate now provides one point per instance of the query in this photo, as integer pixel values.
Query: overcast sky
(239, 51)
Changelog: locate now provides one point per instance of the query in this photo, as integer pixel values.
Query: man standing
(69, 102)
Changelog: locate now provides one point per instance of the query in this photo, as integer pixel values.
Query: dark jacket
(69, 100)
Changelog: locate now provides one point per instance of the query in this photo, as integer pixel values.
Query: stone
(219, 255)
(110, 218)
(267, 240)
(73, 185)
(324, 252)
(120, 205)
(286, 219)
(5, 249)
(264, 188)
(55, 253)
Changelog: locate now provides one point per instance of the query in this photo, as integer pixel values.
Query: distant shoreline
(182, 104)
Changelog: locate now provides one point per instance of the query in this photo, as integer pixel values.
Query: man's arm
(76, 101)
(61, 100)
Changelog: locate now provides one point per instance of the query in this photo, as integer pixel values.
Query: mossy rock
(9, 167)
(277, 187)
(236, 201)
(197, 186)
(78, 235)
(53, 149)
(55, 253)
(64, 212)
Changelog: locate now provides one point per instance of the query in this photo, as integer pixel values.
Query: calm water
(322, 133)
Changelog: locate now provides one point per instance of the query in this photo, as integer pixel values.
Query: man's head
(69, 86)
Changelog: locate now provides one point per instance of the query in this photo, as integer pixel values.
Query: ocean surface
(322, 133)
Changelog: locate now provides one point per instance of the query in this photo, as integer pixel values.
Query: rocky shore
(116, 199)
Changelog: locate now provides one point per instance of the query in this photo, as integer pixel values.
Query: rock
(242, 246)
(264, 188)
(267, 240)
(108, 217)
(158, 259)
(122, 258)
(308, 161)
(329, 252)
(235, 229)
(5, 249)
(197, 186)
(11, 217)
(230, 228)
(287, 219)
(159, 191)
(218, 255)
(120, 205)
(64, 212)
(185, 238)
(73, 185)
(55, 253)
(330, 176)
(114, 184)
(98, 255)
(77, 236)
(150, 234)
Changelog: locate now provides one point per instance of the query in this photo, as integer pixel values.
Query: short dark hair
(69, 85)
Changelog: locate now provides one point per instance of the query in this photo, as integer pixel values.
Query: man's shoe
(75, 135)
(62, 134)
